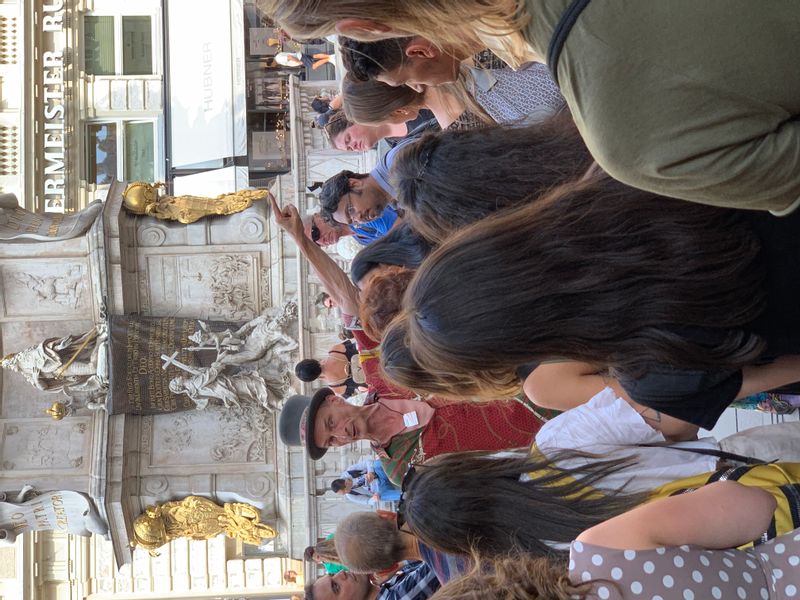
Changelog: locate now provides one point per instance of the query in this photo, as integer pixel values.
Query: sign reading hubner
(64, 510)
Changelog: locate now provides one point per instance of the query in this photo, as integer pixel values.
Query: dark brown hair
(337, 123)
(372, 102)
(450, 180)
(476, 500)
(596, 272)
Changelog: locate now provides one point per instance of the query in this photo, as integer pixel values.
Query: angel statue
(252, 365)
(259, 339)
(210, 383)
(143, 198)
(69, 364)
(198, 518)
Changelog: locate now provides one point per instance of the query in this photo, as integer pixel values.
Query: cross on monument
(172, 360)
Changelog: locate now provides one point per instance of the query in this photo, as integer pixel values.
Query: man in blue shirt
(377, 228)
(360, 199)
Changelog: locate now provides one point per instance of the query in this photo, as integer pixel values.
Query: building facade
(98, 90)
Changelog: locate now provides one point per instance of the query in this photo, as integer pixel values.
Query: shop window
(118, 45)
(121, 150)
(137, 54)
(140, 156)
(98, 39)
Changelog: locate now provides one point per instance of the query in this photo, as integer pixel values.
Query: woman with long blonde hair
(664, 102)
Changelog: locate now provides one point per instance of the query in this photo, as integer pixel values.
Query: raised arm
(704, 517)
(334, 280)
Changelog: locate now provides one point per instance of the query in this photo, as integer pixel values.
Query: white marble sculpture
(262, 338)
(202, 385)
(72, 365)
(262, 345)
(18, 225)
(63, 510)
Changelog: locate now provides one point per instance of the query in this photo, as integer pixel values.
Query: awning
(212, 183)
(207, 103)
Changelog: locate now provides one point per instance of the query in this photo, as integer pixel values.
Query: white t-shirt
(282, 58)
(609, 426)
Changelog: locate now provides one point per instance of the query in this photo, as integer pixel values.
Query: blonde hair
(519, 577)
(467, 25)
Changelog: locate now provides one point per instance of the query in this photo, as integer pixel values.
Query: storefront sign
(207, 99)
(53, 43)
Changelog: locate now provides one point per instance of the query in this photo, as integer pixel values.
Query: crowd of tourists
(581, 248)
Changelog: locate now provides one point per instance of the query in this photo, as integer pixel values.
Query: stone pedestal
(49, 289)
(219, 268)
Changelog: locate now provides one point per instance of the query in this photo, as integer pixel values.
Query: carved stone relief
(224, 287)
(152, 235)
(259, 486)
(265, 285)
(253, 228)
(214, 436)
(42, 445)
(45, 288)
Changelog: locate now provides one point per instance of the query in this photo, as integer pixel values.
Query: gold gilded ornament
(143, 198)
(198, 518)
(57, 411)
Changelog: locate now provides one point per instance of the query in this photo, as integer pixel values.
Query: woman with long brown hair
(678, 547)
(447, 181)
(672, 297)
(538, 502)
(372, 102)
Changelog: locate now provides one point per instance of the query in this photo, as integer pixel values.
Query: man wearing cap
(403, 431)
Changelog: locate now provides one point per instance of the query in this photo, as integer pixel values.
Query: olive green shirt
(693, 99)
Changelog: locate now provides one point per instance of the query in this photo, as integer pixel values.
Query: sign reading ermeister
(139, 384)
(52, 96)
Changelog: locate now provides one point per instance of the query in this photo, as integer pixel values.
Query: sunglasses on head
(315, 233)
(401, 504)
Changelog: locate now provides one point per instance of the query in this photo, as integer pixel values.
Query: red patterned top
(454, 427)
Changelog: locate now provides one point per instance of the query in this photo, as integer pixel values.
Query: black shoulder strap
(561, 33)
(748, 460)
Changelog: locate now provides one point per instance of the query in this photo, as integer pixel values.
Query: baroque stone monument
(60, 293)
(217, 286)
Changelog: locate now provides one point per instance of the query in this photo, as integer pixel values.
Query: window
(118, 45)
(137, 53)
(98, 39)
(102, 142)
(121, 150)
(139, 152)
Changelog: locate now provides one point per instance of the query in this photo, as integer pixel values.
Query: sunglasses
(401, 504)
(315, 234)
